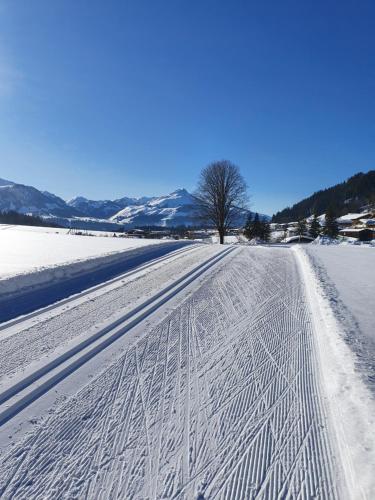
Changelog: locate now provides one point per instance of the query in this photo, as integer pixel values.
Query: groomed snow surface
(241, 385)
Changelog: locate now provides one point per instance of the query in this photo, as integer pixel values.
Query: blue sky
(134, 97)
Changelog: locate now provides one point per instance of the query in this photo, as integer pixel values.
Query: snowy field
(339, 284)
(348, 273)
(41, 265)
(228, 240)
(25, 249)
(213, 372)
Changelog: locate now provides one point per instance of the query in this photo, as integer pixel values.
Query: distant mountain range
(349, 196)
(27, 199)
(103, 209)
(174, 209)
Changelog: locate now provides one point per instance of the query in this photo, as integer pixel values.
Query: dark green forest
(348, 196)
(15, 218)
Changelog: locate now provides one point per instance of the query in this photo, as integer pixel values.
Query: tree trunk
(221, 236)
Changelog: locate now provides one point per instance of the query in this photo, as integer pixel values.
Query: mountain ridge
(344, 197)
(171, 210)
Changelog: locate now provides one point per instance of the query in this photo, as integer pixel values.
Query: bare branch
(221, 196)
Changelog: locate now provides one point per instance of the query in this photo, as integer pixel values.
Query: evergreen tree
(331, 228)
(315, 228)
(12, 217)
(255, 228)
(248, 227)
(301, 227)
(266, 231)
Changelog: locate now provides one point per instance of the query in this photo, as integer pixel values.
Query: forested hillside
(14, 218)
(349, 196)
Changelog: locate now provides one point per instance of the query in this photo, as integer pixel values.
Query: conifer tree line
(330, 228)
(348, 196)
(302, 227)
(12, 217)
(255, 228)
(315, 228)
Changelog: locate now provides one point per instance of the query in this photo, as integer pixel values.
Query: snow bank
(31, 258)
(350, 401)
(325, 240)
(227, 239)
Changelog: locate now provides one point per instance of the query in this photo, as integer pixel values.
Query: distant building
(363, 234)
(368, 222)
(198, 234)
(353, 219)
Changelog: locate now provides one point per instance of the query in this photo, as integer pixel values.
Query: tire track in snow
(225, 402)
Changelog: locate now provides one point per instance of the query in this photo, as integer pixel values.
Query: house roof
(351, 217)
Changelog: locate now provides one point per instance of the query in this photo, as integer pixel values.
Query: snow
(217, 395)
(32, 258)
(353, 230)
(24, 249)
(321, 218)
(241, 384)
(340, 286)
(75, 319)
(348, 218)
(5, 183)
(277, 235)
(342, 241)
(175, 208)
(350, 271)
(230, 239)
(296, 239)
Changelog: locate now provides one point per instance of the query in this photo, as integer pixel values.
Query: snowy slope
(4, 182)
(27, 199)
(103, 209)
(174, 209)
(170, 210)
(91, 208)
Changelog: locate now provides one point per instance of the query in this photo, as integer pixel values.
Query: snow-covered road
(216, 396)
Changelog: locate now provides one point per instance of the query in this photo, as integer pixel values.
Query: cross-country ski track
(196, 377)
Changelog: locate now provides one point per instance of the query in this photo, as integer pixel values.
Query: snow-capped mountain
(174, 209)
(100, 209)
(103, 209)
(5, 183)
(29, 200)
(170, 210)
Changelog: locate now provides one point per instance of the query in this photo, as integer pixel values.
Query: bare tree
(221, 196)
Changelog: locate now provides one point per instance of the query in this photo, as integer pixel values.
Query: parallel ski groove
(220, 399)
